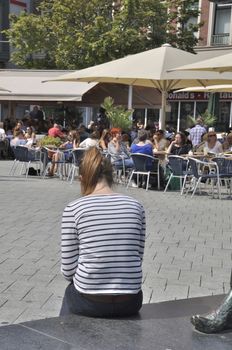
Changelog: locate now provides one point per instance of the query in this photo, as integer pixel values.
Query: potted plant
(51, 142)
(118, 116)
(208, 119)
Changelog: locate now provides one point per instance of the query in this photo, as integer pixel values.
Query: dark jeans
(76, 303)
(128, 162)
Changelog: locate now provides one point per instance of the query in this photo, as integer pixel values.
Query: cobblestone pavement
(188, 249)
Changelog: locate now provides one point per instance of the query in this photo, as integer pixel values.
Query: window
(4, 23)
(221, 33)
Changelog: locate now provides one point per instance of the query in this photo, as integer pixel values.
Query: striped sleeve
(143, 234)
(103, 240)
(69, 244)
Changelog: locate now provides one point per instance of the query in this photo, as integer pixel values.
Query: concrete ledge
(161, 326)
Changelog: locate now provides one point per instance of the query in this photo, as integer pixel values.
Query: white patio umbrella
(221, 64)
(210, 88)
(152, 69)
(3, 89)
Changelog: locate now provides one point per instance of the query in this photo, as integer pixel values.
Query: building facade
(4, 24)
(8, 7)
(215, 39)
(216, 33)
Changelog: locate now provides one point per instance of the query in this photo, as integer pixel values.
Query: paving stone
(187, 254)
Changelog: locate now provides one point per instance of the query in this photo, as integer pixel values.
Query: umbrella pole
(162, 120)
(230, 122)
(178, 118)
(145, 118)
(130, 98)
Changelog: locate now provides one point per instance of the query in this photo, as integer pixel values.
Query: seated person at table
(71, 143)
(18, 127)
(4, 143)
(212, 145)
(200, 148)
(91, 141)
(227, 145)
(159, 141)
(30, 136)
(136, 140)
(18, 139)
(141, 146)
(55, 131)
(73, 140)
(144, 148)
(2, 132)
(104, 140)
(179, 146)
(126, 140)
(118, 150)
(83, 132)
(188, 141)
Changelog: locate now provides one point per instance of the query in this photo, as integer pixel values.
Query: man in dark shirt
(83, 133)
(37, 114)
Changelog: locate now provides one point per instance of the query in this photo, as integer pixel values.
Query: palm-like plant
(117, 115)
(208, 119)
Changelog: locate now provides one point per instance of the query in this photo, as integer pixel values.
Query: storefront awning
(26, 85)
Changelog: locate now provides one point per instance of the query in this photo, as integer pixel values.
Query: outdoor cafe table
(160, 153)
(208, 157)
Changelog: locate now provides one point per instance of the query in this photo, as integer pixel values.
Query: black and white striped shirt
(103, 243)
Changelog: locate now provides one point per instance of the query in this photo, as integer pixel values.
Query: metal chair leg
(158, 178)
(183, 185)
(196, 185)
(148, 178)
(171, 176)
(131, 175)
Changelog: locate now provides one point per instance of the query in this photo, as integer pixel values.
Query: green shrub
(50, 141)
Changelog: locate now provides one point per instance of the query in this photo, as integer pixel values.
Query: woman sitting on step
(103, 236)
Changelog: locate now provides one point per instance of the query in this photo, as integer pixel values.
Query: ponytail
(93, 168)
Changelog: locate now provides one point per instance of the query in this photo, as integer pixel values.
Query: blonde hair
(104, 133)
(94, 167)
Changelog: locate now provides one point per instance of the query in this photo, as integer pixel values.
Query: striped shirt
(103, 243)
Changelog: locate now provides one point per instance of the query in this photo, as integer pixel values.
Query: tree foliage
(182, 24)
(74, 34)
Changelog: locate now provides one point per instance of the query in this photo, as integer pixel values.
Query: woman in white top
(91, 141)
(2, 132)
(30, 136)
(212, 145)
(103, 235)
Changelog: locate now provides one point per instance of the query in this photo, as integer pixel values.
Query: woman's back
(110, 243)
(145, 149)
(103, 236)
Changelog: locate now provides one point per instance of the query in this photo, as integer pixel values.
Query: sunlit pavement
(188, 249)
